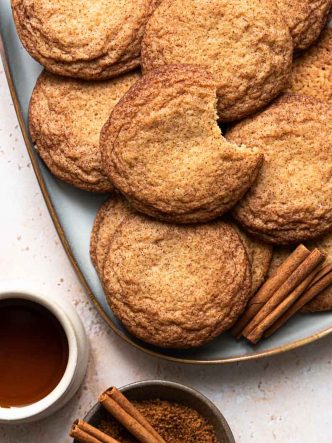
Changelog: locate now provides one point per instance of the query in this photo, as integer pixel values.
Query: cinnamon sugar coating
(65, 119)
(90, 39)
(260, 256)
(305, 18)
(291, 201)
(312, 71)
(162, 148)
(108, 218)
(246, 45)
(176, 286)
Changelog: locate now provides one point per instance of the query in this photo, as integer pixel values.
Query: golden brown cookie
(164, 151)
(323, 301)
(90, 39)
(312, 72)
(109, 216)
(66, 117)
(305, 18)
(291, 201)
(260, 255)
(176, 286)
(245, 44)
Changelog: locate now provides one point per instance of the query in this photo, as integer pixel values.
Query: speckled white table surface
(286, 399)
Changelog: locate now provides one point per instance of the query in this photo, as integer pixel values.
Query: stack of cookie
(131, 101)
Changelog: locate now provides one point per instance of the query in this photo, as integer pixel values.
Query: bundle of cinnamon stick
(125, 413)
(85, 433)
(299, 279)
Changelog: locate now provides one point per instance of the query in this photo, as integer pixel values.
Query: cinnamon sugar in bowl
(178, 413)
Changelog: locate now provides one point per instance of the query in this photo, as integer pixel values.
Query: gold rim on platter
(61, 234)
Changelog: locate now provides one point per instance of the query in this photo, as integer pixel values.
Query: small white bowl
(77, 358)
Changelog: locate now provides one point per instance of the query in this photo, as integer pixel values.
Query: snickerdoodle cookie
(291, 200)
(164, 151)
(245, 44)
(176, 286)
(108, 218)
(66, 117)
(260, 255)
(305, 18)
(90, 39)
(312, 72)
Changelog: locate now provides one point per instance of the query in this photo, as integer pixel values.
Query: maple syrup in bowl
(43, 354)
(33, 352)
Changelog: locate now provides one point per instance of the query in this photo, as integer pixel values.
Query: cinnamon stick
(85, 433)
(258, 332)
(311, 292)
(323, 271)
(281, 274)
(128, 421)
(119, 398)
(297, 277)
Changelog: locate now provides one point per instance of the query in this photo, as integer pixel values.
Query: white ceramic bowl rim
(14, 290)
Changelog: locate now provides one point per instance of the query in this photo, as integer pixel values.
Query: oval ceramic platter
(73, 212)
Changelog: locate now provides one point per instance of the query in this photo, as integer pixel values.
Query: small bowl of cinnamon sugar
(177, 413)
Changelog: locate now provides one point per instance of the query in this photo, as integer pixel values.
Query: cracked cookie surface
(95, 39)
(108, 218)
(176, 286)
(305, 18)
(312, 71)
(291, 200)
(246, 45)
(162, 148)
(260, 256)
(65, 119)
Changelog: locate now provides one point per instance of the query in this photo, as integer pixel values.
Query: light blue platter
(73, 212)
